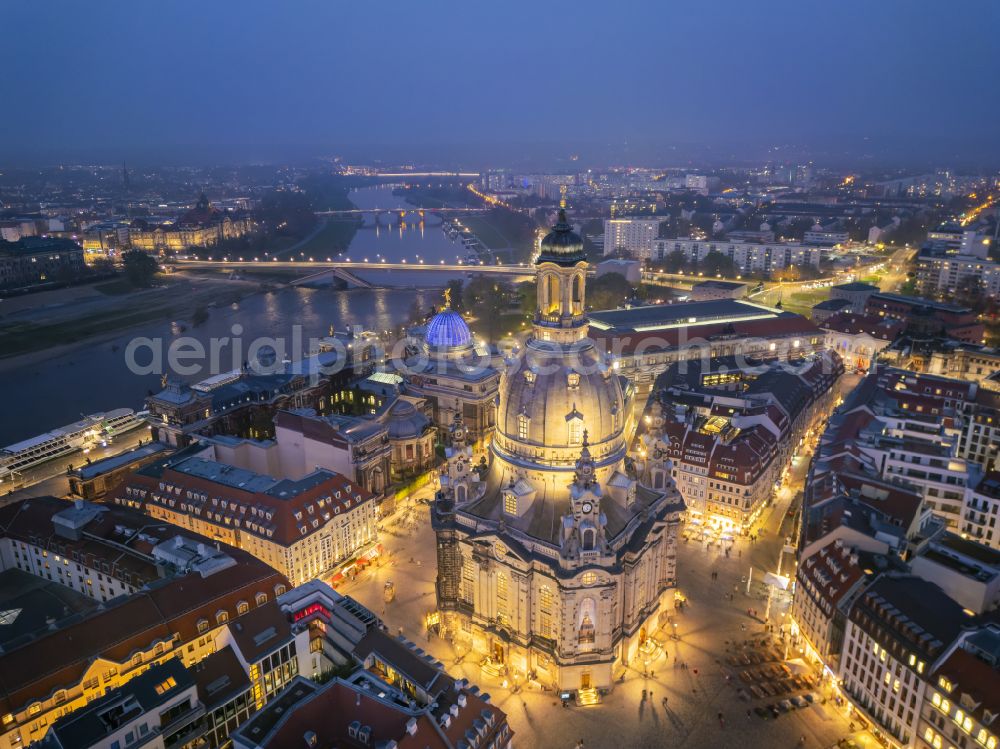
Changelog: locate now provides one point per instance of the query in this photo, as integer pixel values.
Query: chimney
(462, 700)
(411, 726)
(311, 739)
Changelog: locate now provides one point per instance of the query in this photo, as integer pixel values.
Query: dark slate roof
(87, 727)
(562, 245)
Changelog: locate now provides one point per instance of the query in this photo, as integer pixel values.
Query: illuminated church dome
(447, 330)
(555, 560)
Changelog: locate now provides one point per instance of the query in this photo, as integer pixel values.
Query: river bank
(56, 321)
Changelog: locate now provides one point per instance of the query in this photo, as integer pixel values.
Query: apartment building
(141, 594)
(896, 631)
(730, 431)
(962, 702)
(633, 236)
(749, 257)
(302, 527)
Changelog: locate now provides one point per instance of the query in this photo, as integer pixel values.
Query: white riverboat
(91, 431)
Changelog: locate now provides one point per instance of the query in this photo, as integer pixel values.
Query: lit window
(522, 427)
(165, 686)
(510, 503)
(589, 578)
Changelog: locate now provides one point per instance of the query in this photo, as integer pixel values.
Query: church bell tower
(562, 279)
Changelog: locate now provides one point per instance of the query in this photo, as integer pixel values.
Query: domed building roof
(404, 421)
(447, 330)
(562, 245)
(540, 403)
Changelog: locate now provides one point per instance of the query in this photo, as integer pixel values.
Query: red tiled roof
(331, 496)
(832, 570)
(59, 658)
(976, 678)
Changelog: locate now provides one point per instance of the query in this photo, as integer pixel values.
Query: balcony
(183, 727)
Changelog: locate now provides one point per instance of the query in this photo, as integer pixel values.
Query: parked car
(762, 712)
(774, 710)
(785, 705)
(799, 702)
(810, 697)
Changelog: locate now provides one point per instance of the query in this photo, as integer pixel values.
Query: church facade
(556, 563)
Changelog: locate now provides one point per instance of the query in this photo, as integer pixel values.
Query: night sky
(618, 81)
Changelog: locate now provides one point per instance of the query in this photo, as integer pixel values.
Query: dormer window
(573, 380)
(529, 377)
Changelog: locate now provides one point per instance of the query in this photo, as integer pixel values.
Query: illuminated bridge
(400, 211)
(316, 269)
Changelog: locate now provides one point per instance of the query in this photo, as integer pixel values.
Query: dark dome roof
(562, 245)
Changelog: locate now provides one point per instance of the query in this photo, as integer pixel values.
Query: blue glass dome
(447, 329)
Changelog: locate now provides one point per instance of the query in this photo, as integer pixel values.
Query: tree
(454, 292)
(717, 264)
(102, 266)
(489, 299)
(675, 262)
(528, 292)
(140, 268)
(608, 291)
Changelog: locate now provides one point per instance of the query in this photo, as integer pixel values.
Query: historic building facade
(455, 376)
(555, 563)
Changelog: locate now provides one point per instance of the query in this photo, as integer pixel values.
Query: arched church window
(576, 431)
(553, 295)
(522, 427)
(578, 294)
(460, 493)
(589, 539)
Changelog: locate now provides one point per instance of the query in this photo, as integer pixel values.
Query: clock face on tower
(587, 507)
